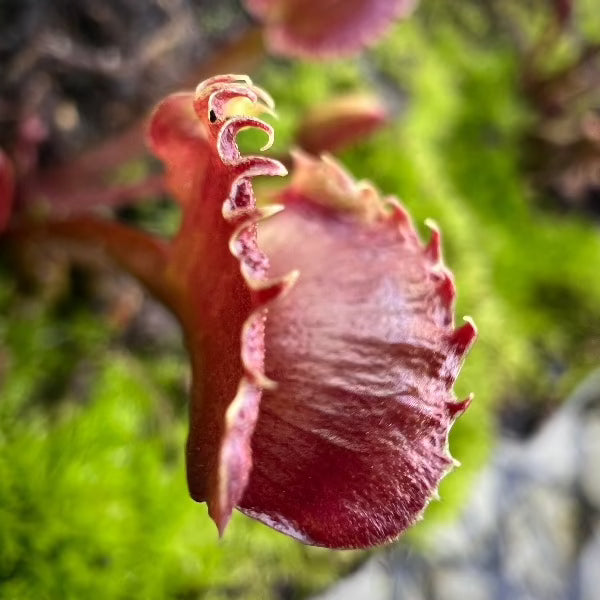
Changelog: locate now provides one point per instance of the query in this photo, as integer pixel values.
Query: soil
(76, 71)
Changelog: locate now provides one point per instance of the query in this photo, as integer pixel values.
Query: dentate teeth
(220, 80)
(254, 166)
(219, 98)
(457, 408)
(433, 250)
(226, 145)
(264, 96)
(265, 292)
(462, 338)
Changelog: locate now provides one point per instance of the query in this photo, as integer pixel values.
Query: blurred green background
(93, 501)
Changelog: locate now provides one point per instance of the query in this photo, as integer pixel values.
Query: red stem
(69, 201)
(141, 254)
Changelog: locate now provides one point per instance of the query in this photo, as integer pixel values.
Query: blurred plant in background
(486, 114)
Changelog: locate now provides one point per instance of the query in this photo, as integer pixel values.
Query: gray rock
(539, 542)
(371, 582)
(552, 455)
(470, 538)
(531, 529)
(590, 458)
(589, 567)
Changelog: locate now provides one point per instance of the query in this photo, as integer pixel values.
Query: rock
(589, 471)
(539, 540)
(463, 583)
(470, 538)
(552, 456)
(371, 582)
(589, 567)
(531, 530)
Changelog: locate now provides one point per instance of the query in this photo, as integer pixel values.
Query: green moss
(93, 504)
(93, 498)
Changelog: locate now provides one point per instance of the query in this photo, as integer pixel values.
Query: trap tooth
(226, 145)
(252, 166)
(220, 98)
(399, 213)
(246, 218)
(265, 212)
(433, 250)
(253, 369)
(455, 409)
(462, 338)
(264, 293)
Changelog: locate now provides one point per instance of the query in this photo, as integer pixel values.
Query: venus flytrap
(320, 331)
(329, 29)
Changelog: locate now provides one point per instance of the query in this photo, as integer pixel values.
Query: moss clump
(93, 499)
